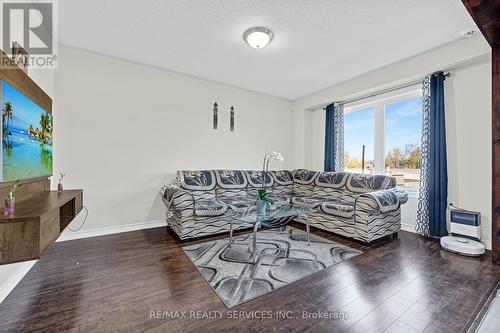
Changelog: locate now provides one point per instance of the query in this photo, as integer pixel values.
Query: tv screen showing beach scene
(26, 136)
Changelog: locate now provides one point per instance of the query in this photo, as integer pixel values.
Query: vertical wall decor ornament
(216, 116)
(231, 119)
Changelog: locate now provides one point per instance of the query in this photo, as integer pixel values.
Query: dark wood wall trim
(495, 223)
(486, 14)
(22, 82)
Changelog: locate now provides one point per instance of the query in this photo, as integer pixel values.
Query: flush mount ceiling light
(258, 37)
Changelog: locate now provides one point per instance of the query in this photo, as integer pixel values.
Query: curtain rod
(381, 92)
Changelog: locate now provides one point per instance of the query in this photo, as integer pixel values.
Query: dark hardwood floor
(113, 283)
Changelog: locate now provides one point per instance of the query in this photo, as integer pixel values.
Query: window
(390, 129)
(359, 130)
(403, 128)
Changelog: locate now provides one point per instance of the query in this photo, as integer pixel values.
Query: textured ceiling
(316, 43)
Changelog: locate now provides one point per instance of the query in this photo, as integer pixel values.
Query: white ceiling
(317, 43)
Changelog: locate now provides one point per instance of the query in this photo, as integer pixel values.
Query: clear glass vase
(9, 205)
(261, 206)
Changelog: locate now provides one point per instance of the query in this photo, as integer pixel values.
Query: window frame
(378, 103)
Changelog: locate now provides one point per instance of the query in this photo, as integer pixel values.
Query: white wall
(468, 112)
(468, 126)
(122, 130)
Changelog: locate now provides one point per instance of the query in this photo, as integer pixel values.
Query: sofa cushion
(387, 200)
(239, 203)
(303, 182)
(359, 183)
(283, 177)
(306, 177)
(202, 180)
(255, 179)
(203, 195)
(278, 199)
(283, 190)
(310, 202)
(283, 182)
(330, 185)
(337, 209)
(201, 184)
(230, 183)
(329, 194)
(384, 201)
(231, 179)
(335, 180)
(209, 208)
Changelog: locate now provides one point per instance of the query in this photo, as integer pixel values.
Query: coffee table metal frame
(257, 219)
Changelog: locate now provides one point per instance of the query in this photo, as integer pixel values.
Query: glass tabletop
(281, 211)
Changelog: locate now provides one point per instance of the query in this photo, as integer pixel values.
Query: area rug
(283, 257)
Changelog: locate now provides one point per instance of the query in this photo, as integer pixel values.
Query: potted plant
(263, 200)
(10, 201)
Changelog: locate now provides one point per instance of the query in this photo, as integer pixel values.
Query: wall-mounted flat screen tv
(26, 136)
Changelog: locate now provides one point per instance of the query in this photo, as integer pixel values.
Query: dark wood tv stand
(40, 214)
(37, 222)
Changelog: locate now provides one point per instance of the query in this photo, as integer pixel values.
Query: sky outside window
(403, 123)
(359, 130)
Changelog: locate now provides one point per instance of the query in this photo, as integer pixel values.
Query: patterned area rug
(283, 257)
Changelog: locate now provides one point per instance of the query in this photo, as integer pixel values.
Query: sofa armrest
(382, 201)
(402, 195)
(178, 200)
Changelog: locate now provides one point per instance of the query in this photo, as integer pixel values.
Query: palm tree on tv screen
(7, 115)
(46, 127)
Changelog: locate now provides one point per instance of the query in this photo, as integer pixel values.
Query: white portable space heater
(465, 238)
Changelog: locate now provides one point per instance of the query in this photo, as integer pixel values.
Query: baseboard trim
(487, 244)
(411, 228)
(408, 227)
(18, 275)
(72, 235)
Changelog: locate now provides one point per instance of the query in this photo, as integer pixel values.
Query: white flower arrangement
(61, 176)
(272, 156)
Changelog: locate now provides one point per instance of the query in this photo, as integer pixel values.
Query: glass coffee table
(279, 217)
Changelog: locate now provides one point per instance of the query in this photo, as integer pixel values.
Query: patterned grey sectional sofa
(361, 207)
